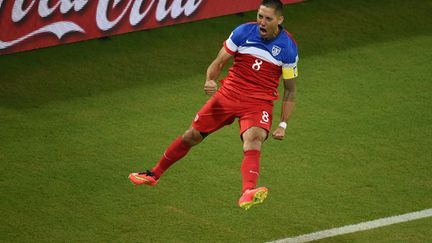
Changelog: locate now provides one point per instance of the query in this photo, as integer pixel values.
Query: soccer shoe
(252, 197)
(147, 178)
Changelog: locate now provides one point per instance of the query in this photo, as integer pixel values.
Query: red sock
(177, 150)
(250, 169)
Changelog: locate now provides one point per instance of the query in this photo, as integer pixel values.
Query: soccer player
(262, 52)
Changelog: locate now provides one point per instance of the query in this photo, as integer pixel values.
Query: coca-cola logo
(138, 11)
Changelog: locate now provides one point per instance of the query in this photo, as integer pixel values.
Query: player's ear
(280, 19)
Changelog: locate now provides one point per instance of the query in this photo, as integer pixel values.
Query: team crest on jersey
(276, 50)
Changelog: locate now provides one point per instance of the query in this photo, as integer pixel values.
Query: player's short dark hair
(277, 5)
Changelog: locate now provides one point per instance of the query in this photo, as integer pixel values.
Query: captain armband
(289, 72)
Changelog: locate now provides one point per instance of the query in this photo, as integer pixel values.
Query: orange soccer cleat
(252, 197)
(140, 178)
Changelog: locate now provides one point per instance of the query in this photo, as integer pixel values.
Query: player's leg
(255, 125)
(253, 138)
(175, 151)
(212, 116)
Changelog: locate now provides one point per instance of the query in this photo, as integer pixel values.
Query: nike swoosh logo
(251, 42)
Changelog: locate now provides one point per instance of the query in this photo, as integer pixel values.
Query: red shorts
(225, 106)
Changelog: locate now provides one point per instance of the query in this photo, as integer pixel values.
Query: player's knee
(252, 144)
(253, 139)
(192, 137)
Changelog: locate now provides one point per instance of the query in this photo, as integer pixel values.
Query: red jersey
(258, 63)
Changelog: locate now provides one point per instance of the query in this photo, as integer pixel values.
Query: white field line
(358, 227)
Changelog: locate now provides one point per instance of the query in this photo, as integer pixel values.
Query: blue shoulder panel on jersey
(241, 33)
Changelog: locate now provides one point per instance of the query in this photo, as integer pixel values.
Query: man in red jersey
(262, 52)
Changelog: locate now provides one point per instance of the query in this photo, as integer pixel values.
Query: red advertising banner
(30, 24)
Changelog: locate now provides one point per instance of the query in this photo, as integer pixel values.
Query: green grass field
(75, 120)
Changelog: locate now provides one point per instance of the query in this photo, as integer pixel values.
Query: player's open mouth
(263, 32)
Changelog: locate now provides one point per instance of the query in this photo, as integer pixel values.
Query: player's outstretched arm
(288, 103)
(214, 70)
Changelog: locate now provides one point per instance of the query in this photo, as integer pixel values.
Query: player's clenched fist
(279, 133)
(210, 87)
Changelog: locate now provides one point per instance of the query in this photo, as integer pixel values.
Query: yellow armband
(289, 72)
